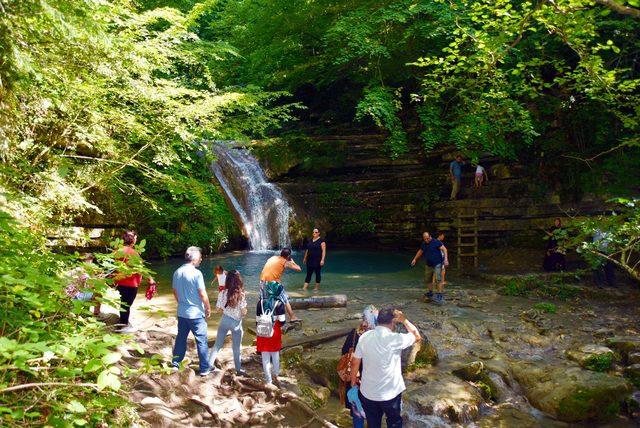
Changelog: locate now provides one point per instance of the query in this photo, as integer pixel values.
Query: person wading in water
(273, 270)
(434, 254)
(314, 257)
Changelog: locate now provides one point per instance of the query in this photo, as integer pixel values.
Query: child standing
(270, 346)
(481, 175)
(445, 263)
(220, 275)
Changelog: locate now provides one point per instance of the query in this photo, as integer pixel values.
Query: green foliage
(103, 108)
(382, 106)
(51, 341)
(546, 307)
(599, 363)
(353, 219)
(553, 286)
(618, 241)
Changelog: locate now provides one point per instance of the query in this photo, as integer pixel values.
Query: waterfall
(261, 206)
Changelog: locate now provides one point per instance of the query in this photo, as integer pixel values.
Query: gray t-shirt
(187, 280)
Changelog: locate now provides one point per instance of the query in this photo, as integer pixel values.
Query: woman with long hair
(232, 303)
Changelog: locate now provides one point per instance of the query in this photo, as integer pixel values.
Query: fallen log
(317, 338)
(333, 301)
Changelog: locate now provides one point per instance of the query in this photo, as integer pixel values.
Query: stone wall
(364, 198)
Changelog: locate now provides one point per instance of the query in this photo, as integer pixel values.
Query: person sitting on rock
(381, 384)
(78, 288)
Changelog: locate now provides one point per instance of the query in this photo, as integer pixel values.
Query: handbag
(344, 365)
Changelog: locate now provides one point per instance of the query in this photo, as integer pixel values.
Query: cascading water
(261, 206)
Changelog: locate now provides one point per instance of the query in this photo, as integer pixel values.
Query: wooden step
(467, 254)
(464, 244)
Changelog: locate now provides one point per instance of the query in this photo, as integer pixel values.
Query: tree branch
(37, 385)
(617, 7)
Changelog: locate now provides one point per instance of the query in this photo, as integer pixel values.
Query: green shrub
(547, 307)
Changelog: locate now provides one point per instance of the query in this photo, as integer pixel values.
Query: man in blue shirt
(435, 255)
(193, 308)
(455, 170)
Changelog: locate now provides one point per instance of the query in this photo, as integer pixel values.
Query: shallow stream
(476, 324)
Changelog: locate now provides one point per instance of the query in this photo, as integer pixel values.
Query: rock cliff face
(349, 187)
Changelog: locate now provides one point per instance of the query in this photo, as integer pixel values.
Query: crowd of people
(370, 365)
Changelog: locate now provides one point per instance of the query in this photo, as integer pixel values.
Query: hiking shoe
(204, 374)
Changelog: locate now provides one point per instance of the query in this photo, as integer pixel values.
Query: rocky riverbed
(490, 359)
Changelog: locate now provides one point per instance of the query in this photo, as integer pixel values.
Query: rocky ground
(564, 355)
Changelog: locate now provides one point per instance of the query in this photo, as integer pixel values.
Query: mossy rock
(593, 357)
(624, 344)
(291, 357)
(471, 372)
(633, 374)
(571, 394)
(323, 371)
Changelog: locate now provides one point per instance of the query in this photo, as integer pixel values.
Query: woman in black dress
(314, 257)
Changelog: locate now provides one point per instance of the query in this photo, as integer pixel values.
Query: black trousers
(375, 409)
(127, 296)
(605, 274)
(310, 271)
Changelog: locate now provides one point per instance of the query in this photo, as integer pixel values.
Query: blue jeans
(235, 326)
(358, 422)
(197, 326)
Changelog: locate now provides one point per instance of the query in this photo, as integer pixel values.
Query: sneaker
(242, 373)
(429, 294)
(128, 329)
(439, 299)
(203, 374)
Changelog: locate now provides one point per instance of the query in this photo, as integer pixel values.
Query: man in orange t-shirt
(273, 270)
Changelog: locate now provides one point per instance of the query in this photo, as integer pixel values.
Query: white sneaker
(128, 329)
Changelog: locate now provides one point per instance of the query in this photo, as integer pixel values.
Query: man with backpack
(273, 270)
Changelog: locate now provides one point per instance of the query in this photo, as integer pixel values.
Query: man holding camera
(381, 383)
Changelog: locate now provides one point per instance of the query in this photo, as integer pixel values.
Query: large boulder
(421, 354)
(571, 394)
(323, 372)
(592, 357)
(445, 397)
(633, 374)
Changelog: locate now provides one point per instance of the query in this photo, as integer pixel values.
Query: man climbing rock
(455, 170)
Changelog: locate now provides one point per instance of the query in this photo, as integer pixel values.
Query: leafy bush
(58, 363)
(547, 307)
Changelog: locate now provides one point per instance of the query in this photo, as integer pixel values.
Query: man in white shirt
(381, 383)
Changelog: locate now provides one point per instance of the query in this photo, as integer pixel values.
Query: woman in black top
(554, 259)
(369, 316)
(314, 258)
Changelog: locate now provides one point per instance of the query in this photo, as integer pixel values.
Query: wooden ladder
(467, 225)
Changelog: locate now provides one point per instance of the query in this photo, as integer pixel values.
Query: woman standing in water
(554, 259)
(314, 257)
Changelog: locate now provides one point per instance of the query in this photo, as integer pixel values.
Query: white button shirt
(380, 351)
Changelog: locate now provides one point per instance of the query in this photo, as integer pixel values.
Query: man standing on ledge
(435, 255)
(455, 170)
(193, 308)
(382, 385)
